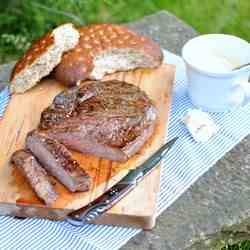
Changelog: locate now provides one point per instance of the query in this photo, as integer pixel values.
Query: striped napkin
(178, 174)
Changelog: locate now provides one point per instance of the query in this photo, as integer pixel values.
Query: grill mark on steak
(62, 108)
(106, 119)
(37, 177)
(58, 161)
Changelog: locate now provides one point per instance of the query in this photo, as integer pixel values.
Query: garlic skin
(200, 125)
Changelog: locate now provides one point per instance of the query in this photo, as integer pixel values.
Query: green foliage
(244, 245)
(11, 44)
(26, 20)
(213, 16)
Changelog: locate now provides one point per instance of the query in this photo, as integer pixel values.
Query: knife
(121, 189)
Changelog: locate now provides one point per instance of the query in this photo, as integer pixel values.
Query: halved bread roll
(43, 56)
(106, 48)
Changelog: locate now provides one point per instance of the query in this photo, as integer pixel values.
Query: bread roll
(43, 56)
(106, 48)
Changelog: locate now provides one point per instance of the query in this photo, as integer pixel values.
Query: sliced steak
(58, 161)
(35, 174)
(111, 119)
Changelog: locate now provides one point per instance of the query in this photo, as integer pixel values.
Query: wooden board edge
(146, 222)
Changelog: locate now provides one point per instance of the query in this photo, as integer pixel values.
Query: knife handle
(100, 205)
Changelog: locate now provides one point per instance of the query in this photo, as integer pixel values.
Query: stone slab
(166, 29)
(215, 210)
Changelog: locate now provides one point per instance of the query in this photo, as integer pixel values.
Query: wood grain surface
(23, 114)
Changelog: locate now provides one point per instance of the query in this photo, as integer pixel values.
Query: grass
(22, 21)
(213, 16)
(244, 245)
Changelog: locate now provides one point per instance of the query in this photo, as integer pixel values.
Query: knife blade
(120, 190)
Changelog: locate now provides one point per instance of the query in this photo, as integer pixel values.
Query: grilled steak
(35, 174)
(110, 119)
(58, 161)
(63, 106)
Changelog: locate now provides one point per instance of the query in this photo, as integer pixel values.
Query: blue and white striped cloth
(178, 174)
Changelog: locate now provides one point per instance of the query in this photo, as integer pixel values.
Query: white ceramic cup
(212, 84)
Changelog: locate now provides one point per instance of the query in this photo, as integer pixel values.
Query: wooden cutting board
(23, 114)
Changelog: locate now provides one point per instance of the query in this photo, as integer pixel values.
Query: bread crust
(42, 57)
(38, 48)
(104, 42)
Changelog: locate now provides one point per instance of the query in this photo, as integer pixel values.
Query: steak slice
(58, 161)
(111, 119)
(35, 174)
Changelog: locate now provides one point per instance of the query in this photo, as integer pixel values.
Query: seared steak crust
(63, 106)
(108, 119)
(58, 161)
